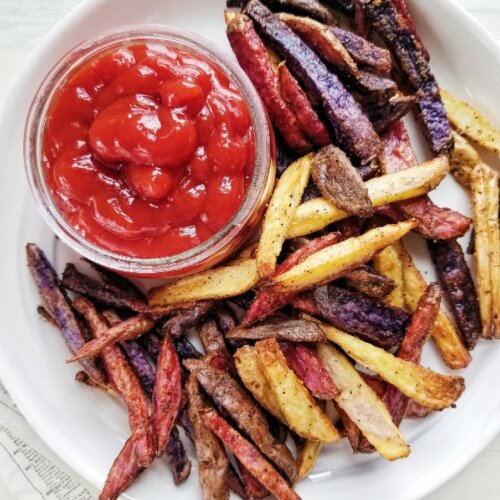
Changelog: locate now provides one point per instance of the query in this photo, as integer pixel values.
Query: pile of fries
(326, 314)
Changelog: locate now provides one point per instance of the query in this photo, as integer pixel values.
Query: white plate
(87, 428)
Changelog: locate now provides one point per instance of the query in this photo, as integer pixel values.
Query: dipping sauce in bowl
(147, 147)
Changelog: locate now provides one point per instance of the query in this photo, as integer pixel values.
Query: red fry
(265, 303)
(167, 393)
(418, 331)
(306, 364)
(123, 472)
(421, 324)
(126, 330)
(253, 487)
(124, 379)
(433, 222)
(255, 61)
(297, 100)
(250, 457)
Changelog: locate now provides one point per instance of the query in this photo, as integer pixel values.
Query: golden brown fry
(301, 411)
(363, 406)
(318, 213)
(216, 283)
(388, 263)
(463, 160)
(307, 457)
(445, 334)
(280, 212)
(485, 195)
(470, 122)
(428, 388)
(337, 260)
(247, 364)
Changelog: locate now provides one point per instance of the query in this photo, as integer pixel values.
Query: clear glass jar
(222, 244)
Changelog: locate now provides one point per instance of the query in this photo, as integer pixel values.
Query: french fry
(217, 283)
(302, 413)
(428, 388)
(456, 281)
(318, 213)
(213, 463)
(249, 456)
(463, 159)
(323, 41)
(167, 394)
(234, 401)
(445, 335)
(304, 361)
(388, 263)
(363, 406)
(248, 367)
(337, 260)
(307, 457)
(290, 329)
(280, 212)
(470, 122)
(485, 196)
(356, 313)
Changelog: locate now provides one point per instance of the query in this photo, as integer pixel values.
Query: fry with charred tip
(280, 212)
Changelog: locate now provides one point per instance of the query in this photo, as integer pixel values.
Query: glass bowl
(223, 243)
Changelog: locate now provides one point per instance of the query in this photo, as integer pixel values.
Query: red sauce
(148, 150)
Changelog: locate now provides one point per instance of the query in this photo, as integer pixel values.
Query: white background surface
(24, 22)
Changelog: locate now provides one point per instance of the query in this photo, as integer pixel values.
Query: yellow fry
(301, 411)
(428, 388)
(337, 260)
(363, 406)
(217, 283)
(280, 212)
(388, 263)
(307, 457)
(247, 364)
(444, 334)
(470, 122)
(484, 195)
(318, 213)
(463, 160)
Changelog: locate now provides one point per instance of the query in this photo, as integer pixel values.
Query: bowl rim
(35, 127)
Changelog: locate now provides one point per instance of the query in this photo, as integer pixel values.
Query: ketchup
(148, 150)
